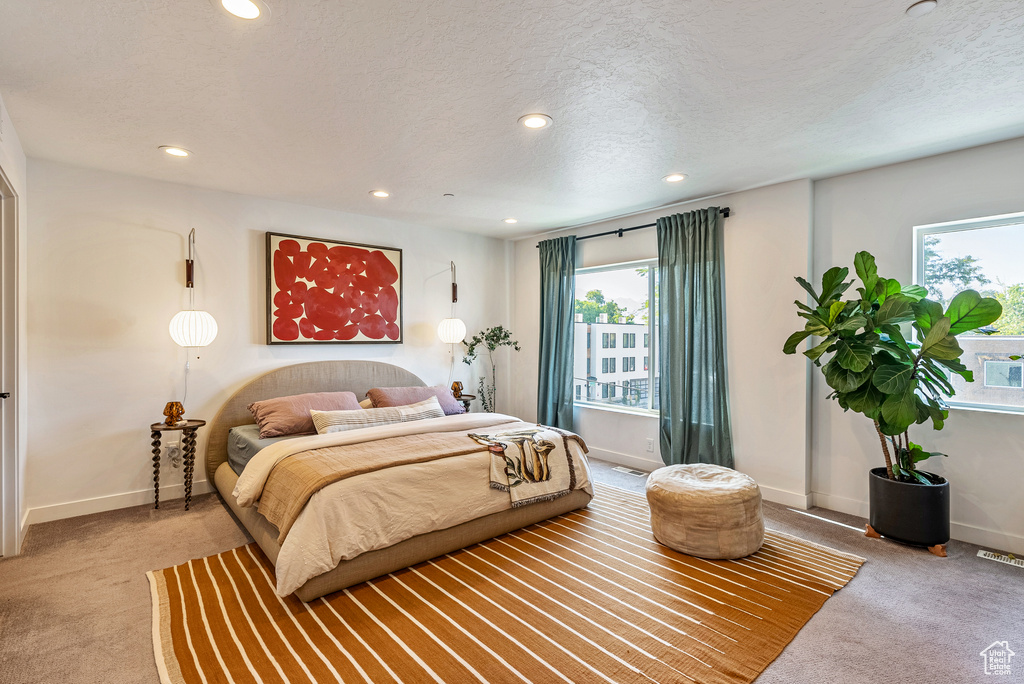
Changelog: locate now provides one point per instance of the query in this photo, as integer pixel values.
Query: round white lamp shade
(451, 330)
(193, 328)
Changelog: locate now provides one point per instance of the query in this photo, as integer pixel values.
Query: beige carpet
(585, 597)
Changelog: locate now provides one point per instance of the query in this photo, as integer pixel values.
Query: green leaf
(937, 333)
(794, 340)
(887, 287)
(926, 312)
(900, 410)
(894, 310)
(969, 310)
(803, 307)
(915, 292)
(867, 271)
(815, 352)
(853, 355)
(866, 399)
(835, 310)
(893, 378)
(810, 289)
(854, 322)
(832, 284)
(842, 379)
(946, 349)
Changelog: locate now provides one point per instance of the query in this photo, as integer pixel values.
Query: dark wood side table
(188, 455)
(465, 399)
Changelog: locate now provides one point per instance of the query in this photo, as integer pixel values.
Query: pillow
(339, 421)
(402, 396)
(366, 403)
(290, 415)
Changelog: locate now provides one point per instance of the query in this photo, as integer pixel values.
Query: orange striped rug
(584, 597)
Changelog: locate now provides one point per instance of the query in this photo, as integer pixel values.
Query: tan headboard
(317, 376)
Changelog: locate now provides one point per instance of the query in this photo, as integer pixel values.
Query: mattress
(243, 443)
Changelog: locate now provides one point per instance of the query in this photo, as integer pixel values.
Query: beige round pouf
(706, 510)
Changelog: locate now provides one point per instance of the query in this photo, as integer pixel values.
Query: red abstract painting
(320, 291)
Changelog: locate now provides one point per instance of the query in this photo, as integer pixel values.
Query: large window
(616, 302)
(986, 255)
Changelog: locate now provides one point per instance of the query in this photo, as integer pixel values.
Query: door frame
(10, 486)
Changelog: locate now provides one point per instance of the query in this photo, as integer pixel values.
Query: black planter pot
(909, 513)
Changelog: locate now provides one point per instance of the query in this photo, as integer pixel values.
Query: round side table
(188, 454)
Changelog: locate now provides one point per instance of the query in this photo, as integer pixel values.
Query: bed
(359, 377)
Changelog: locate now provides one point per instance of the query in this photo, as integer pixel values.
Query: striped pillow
(338, 421)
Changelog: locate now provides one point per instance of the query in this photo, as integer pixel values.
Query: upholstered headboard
(317, 376)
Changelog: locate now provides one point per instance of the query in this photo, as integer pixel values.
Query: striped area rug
(584, 597)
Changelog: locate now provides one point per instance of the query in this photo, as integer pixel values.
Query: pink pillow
(291, 415)
(403, 396)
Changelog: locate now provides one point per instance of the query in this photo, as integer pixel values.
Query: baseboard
(785, 498)
(73, 509)
(628, 460)
(972, 534)
(841, 504)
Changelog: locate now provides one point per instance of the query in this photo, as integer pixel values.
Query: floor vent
(630, 471)
(1009, 560)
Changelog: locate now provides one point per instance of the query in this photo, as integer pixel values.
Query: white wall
(106, 268)
(766, 235)
(876, 210)
(15, 168)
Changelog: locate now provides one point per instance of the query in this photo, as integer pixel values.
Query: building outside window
(617, 301)
(986, 255)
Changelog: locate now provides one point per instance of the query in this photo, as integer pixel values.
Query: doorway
(9, 486)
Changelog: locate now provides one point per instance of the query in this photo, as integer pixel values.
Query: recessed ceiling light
(674, 177)
(243, 9)
(175, 151)
(511, 220)
(380, 193)
(922, 8)
(535, 120)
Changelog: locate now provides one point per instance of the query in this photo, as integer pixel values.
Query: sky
(1000, 251)
(624, 287)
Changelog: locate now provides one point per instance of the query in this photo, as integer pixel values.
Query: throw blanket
(294, 480)
(531, 462)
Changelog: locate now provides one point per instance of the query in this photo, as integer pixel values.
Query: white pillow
(339, 421)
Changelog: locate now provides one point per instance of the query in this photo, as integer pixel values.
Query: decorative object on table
(706, 510)
(191, 328)
(174, 411)
(466, 400)
(188, 455)
(457, 388)
(452, 331)
(875, 370)
(490, 339)
(329, 292)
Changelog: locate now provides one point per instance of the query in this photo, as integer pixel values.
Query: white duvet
(376, 510)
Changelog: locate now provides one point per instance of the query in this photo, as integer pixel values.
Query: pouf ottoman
(705, 510)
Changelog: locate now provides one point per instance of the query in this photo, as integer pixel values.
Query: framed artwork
(328, 292)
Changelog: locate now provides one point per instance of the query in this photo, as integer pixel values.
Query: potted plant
(490, 339)
(896, 379)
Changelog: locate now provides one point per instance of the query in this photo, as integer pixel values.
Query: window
(986, 255)
(579, 392)
(1003, 374)
(616, 304)
(645, 362)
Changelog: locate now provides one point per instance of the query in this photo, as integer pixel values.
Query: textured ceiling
(326, 100)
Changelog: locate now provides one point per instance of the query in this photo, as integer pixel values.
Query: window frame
(648, 335)
(918, 264)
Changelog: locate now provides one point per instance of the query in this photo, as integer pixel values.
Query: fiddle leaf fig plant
(869, 357)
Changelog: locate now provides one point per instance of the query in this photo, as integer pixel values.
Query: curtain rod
(619, 231)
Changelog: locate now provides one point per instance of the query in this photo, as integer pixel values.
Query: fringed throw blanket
(532, 463)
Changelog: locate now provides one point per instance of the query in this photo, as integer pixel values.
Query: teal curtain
(693, 394)
(557, 308)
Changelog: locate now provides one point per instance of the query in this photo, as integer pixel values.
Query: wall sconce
(452, 331)
(191, 328)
